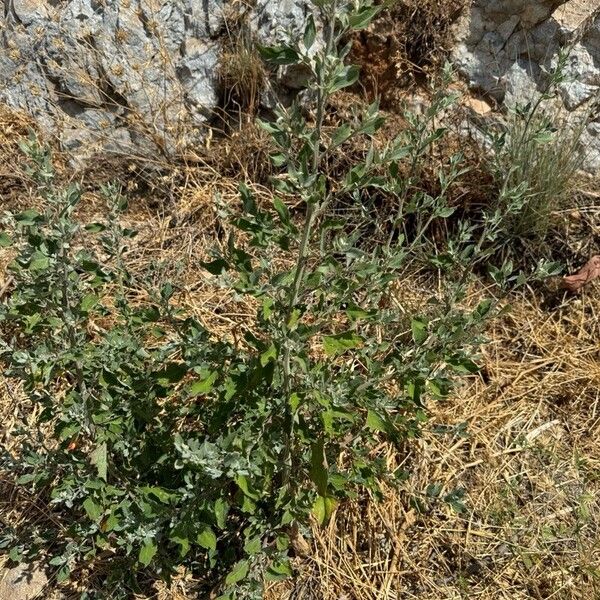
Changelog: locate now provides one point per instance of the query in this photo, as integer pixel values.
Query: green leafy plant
(154, 445)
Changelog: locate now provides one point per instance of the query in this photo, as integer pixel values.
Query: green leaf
(207, 538)
(253, 546)
(269, 355)
(95, 227)
(282, 542)
(294, 402)
(239, 572)
(15, 554)
(318, 472)
(282, 210)
(25, 479)
(455, 500)
(397, 152)
(356, 313)
(111, 523)
(63, 574)
(221, 509)
(345, 77)
(433, 490)
(245, 487)
(278, 158)
(341, 134)
(463, 366)
(39, 262)
(203, 386)
(327, 418)
(72, 194)
(88, 302)
(279, 55)
(98, 458)
(419, 330)
(267, 308)
(230, 389)
(323, 508)
(278, 571)
(445, 211)
(272, 128)
(184, 545)
(147, 553)
(159, 493)
(438, 387)
(363, 17)
(310, 33)
(248, 202)
(28, 217)
(340, 343)
(5, 240)
(108, 379)
(94, 511)
(294, 318)
(375, 422)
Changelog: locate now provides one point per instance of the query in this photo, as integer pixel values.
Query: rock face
(506, 47)
(129, 76)
(143, 76)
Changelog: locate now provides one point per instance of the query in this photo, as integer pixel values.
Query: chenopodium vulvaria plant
(150, 444)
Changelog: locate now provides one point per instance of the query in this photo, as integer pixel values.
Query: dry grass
(527, 459)
(242, 76)
(527, 456)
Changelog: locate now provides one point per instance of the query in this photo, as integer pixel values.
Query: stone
(137, 74)
(505, 48)
(590, 141)
(30, 12)
(520, 82)
(478, 106)
(22, 583)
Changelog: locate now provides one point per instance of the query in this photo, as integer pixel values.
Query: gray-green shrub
(536, 155)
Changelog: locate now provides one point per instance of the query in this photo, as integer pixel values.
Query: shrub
(151, 444)
(536, 155)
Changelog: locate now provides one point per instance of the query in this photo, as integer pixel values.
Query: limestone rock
(505, 48)
(137, 76)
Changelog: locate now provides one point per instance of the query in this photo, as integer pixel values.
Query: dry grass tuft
(241, 76)
(243, 154)
(15, 126)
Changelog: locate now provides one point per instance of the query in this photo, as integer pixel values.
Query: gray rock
(520, 82)
(576, 94)
(506, 48)
(275, 21)
(590, 141)
(137, 74)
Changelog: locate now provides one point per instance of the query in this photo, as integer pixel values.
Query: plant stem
(313, 208)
